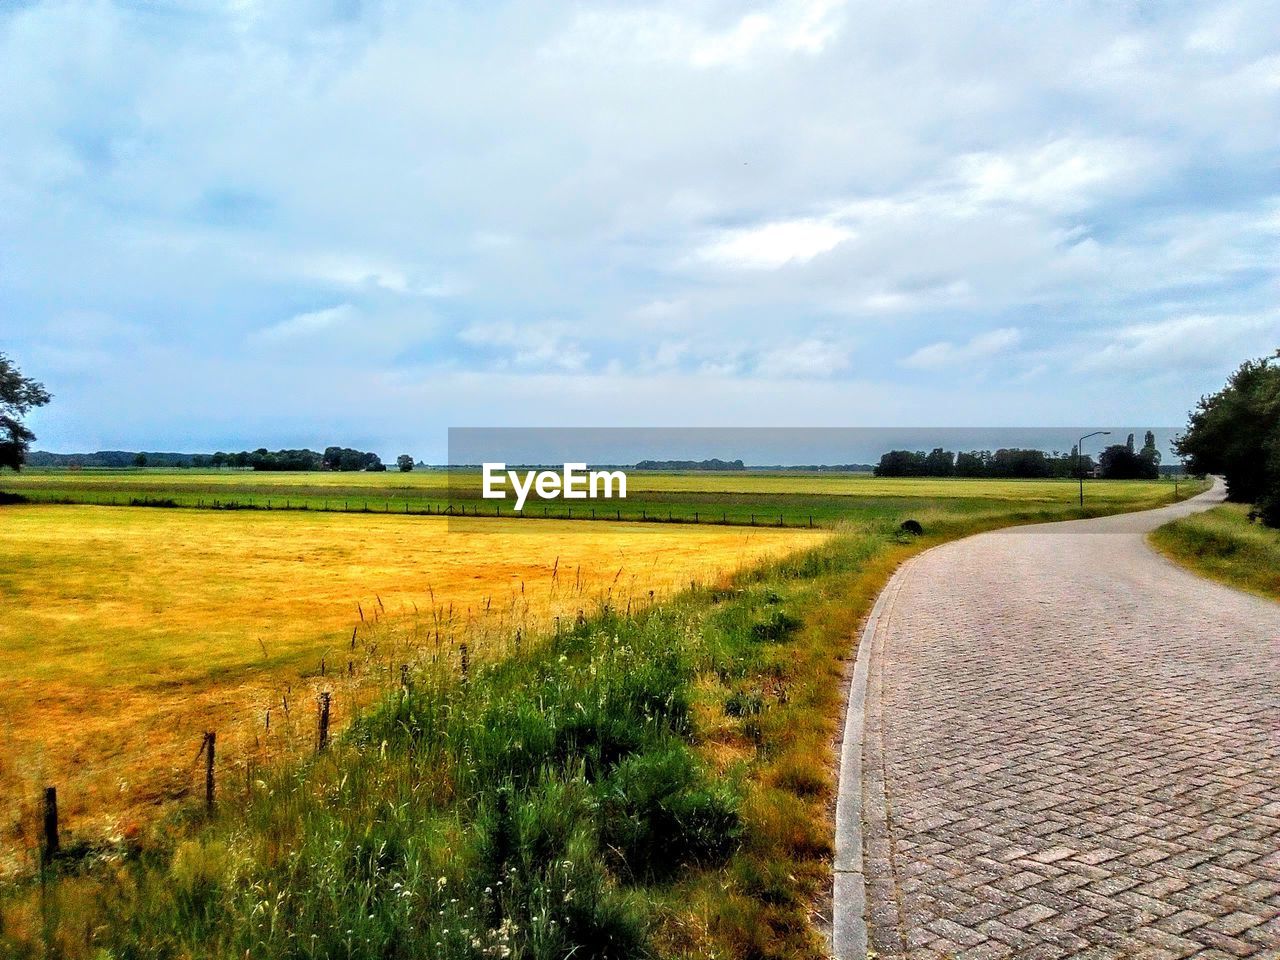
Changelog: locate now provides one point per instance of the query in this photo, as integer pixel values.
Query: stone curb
(849, 899)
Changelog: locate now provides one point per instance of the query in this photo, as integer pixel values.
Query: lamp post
(1080, 457)
(1173, 448)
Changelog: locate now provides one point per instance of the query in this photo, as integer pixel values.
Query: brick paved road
(1072, 749)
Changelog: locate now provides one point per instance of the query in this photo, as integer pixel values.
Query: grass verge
(1223, 544)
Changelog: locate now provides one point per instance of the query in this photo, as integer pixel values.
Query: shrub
(776, 627)
(660, 811)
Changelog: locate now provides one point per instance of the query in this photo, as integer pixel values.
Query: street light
(1080, 455)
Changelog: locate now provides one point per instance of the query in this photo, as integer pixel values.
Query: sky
(242, 224)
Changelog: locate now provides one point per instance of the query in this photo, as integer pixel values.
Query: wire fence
(470, 511)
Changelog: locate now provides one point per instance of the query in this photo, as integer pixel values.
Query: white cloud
(983, 346)
(302, 326)
(668, 33)
(356, 272)
(808, 358)
(1195, 342)
(1064, 174)
(774, 245)
(531, 347)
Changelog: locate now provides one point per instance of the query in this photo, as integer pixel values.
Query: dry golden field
(128, 632)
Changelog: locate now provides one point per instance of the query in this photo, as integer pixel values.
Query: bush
(776, 627)
(661, 811)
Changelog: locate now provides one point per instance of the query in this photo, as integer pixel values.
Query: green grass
(1223, 544)
(655, 783)
(745, 498)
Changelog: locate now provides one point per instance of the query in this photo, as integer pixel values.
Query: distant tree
(1150, 456)
(714, 464)
(18, 396)
(939, 463)
(1018, 463)
(971, 464)
(140, 460)
(1236, 432)
(404, 462)
(901, 463)
(1121, 462)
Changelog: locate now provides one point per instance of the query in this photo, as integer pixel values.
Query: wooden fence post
(211, 745)
(50, 846)
(323, 740)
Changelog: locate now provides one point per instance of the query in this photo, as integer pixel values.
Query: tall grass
(511, 811)
(1224, 544)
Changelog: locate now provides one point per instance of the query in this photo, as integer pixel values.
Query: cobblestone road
(1072, 749)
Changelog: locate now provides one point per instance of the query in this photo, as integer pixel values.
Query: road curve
(1060, 744)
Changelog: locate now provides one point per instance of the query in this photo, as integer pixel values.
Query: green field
(1222, 543)
(762, 499)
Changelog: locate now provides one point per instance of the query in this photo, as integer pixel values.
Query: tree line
(1116, 462)
(1236, 433)
(712, 464)
(344, 459)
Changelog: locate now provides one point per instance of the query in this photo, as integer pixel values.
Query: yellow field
(128, 632)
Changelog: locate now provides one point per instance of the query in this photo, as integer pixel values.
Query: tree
(404, 462)
(139, 459)
(1150, 456)
(972, 464)
(18, 396)
(1120, 462)
(1236, 432)
(939, 463)
(900, 463)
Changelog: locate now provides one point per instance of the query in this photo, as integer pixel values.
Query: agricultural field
(747, 498)
(128, 632)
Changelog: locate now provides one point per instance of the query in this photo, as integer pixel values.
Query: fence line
(446, 509)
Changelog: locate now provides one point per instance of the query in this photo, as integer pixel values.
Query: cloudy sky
(266, 223)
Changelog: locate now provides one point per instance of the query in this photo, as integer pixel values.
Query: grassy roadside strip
(1223, 544)
(656, 784)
